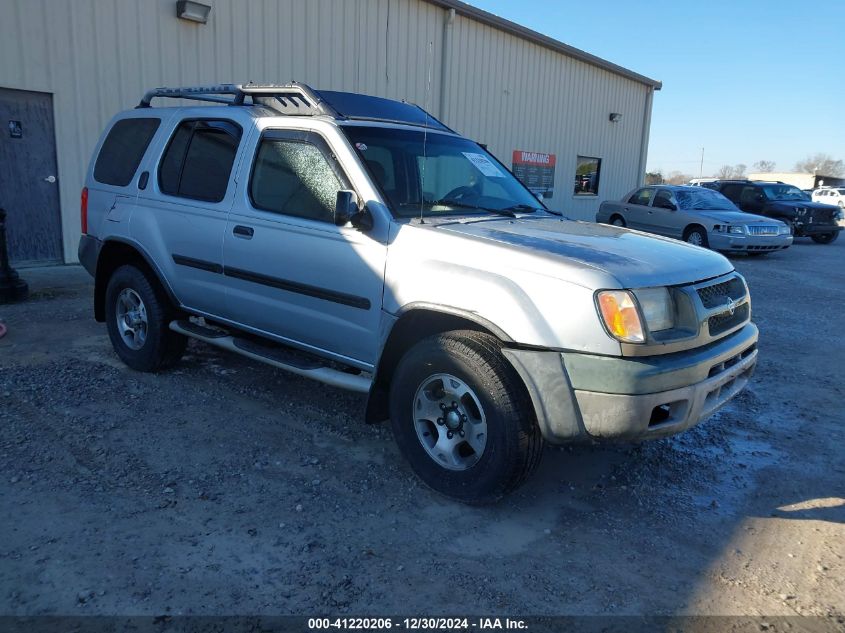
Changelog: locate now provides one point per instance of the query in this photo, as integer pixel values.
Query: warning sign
(535, 170)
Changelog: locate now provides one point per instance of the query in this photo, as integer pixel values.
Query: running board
(280, 357)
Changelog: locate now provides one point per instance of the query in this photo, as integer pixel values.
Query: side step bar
(280, 357)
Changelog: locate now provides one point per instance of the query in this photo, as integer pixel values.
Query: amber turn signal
(620, 315)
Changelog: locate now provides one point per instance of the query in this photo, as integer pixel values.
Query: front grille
(762, 229)
(718, 294)
(724, 321)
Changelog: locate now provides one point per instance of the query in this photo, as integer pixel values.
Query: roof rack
(292, 99)
(301, 100)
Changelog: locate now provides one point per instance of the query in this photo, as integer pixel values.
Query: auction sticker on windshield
(484, 165)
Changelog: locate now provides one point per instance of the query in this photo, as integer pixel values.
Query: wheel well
(112, 256)
(412, 327)
(616, 215)
(689, 229)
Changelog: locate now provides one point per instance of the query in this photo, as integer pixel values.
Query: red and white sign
(536, 170)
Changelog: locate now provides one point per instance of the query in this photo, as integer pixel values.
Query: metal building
(571, 124)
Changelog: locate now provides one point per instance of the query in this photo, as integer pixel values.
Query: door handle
(245, 232)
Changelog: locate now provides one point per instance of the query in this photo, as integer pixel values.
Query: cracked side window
(294, 178)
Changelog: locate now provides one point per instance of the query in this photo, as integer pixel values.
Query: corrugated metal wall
(99, 56)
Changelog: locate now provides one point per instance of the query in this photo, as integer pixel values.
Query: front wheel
(463, 419)
(826, 238)
(697, 236)
(138, 314)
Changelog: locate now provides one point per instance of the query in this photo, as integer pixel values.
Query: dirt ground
(225, 486)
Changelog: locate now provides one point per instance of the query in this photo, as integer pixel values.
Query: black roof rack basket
(291, 99)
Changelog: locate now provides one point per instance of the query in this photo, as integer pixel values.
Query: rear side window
(198, 160)
(123, 150)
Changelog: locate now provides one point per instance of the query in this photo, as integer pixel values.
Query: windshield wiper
(527, 208)
(465, 205)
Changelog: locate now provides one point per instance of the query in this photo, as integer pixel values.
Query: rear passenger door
(181, 211)
(290, 270)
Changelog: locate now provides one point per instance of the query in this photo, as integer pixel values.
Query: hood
(804, 204)
(634, 259)
(737, 217)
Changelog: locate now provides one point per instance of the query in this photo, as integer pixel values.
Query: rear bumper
(579, 396)
(752, 243)
(89, 252)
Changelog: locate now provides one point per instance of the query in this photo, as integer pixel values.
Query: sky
(746, 80)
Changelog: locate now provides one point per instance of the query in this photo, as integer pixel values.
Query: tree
(677, 178)
(764, 166)
(727, 172)
(821, 164)
(653, 178)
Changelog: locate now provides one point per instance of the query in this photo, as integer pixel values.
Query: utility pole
(701, 167)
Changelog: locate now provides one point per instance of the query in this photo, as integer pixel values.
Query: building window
(587, 175)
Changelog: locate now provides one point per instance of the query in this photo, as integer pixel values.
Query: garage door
(29, 190)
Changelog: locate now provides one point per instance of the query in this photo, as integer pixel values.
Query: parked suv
(786, 203)
(360, 242)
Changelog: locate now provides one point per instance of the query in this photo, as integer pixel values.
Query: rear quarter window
(123, 150)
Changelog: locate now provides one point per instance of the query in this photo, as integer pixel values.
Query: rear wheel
(618, 220)
(697, 236)
(463, 419)
(137, 317)
(826, 238)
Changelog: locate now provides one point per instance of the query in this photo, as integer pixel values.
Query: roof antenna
(425, 129)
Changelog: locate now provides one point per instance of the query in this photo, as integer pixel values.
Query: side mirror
(346, 211)
(345, 206)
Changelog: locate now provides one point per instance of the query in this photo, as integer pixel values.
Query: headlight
(736, 228)
(783, 229)
(657, 307)
(619, 313)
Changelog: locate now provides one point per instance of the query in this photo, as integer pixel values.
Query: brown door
(29, 188)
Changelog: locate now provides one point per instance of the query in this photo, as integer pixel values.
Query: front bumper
(748, 243)
(807, 229)
(581, 396)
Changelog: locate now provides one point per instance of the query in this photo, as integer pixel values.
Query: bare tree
(764, 166)
(677, 178)
(653, 178)
(821, 164)
(727, 172)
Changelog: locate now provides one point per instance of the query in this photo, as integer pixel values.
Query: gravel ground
(226, 486)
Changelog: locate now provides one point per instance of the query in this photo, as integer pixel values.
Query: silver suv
(360, 242)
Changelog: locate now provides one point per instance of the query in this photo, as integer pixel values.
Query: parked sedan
(696, 215)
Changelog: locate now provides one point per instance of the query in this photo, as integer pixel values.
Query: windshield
(450, 175)
(784, 192)
(703, 199)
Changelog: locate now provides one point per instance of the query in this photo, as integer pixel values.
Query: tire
(496, 404)
(826, 238)
(618, 220)
(137, 317)
(696, 236)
